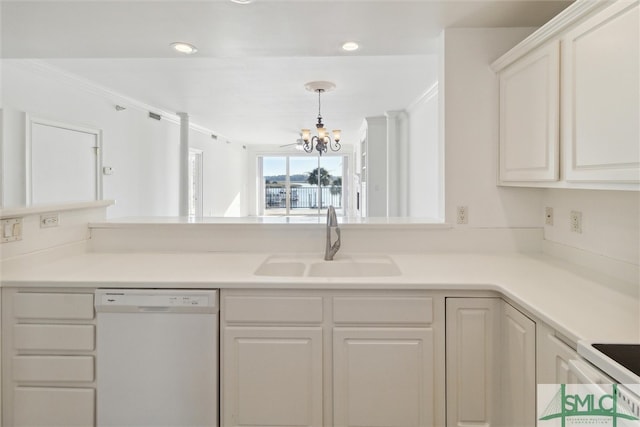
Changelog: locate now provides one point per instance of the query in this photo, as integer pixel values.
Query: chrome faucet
(332, 223)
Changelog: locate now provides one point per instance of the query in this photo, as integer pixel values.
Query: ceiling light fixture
(185, 48)
(242, 1)
(322, 140)
(350, 46)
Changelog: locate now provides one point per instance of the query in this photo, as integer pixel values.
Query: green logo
(586, 406)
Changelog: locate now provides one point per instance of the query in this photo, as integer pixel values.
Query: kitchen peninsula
(444, 278)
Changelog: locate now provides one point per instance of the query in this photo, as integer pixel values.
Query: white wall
(610, 222)
(13, 156)
(469, 93)
(143, 152)
(225, 176)
(470, 96)
(425, 186)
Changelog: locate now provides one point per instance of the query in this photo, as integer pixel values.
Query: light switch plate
(11, 229)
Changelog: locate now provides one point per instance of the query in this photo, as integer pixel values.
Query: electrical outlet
(548, 216)
(575, 221)
(49, 220)
(462, 215)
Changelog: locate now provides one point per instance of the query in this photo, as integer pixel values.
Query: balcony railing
(302, 197)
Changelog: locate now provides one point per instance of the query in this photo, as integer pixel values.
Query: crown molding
(568, 17)
(44, 68)
(426, 96)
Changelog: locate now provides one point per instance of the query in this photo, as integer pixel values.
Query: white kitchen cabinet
(272, 376)
(385, 358)
(517, 368)
(53, 406)
(383, 377)
(490, 364)
(272, 359)
(58, 306)
(529, 117)
(600, 101)
(473, 328)
(569, 103)
(332, 358)
(552, 357)
(48, 352)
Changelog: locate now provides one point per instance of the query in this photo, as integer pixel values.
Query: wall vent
(154, 116)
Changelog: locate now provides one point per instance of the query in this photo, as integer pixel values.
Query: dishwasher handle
(154, 309)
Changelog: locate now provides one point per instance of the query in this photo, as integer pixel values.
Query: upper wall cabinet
(600, 92)
(569, 103)
(529, 102)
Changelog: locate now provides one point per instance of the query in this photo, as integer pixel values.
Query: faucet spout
(332, 223)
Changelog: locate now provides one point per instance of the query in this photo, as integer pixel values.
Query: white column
(184, 164)
(397, 163)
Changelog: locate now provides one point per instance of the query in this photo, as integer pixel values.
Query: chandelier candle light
(322, 140)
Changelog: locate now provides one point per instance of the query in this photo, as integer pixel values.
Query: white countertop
(580, 304)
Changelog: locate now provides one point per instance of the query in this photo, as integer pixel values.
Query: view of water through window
(302, 185)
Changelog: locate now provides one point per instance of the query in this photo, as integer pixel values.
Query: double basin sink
(314, 266)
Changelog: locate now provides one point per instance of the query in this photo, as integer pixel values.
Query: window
(302, 185)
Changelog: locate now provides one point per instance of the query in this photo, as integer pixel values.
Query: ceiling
(246, 82)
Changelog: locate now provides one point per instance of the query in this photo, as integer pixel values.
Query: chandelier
(322, 140)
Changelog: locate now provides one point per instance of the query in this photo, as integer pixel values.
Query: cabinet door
(383, 377)
(473, 350)
(552, 358)
(600, 97)
(272, 376)
(529, 117)
(518, 368)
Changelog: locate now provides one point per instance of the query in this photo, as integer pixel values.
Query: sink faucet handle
(332, 219)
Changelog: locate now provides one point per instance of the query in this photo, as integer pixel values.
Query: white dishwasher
(157, 357)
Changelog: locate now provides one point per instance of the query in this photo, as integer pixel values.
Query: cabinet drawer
(379, 310)
(267, 309)
(44, 406)
(53, 306)
(54, 337)
(53, 368)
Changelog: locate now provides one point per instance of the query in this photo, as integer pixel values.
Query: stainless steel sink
(312, 266)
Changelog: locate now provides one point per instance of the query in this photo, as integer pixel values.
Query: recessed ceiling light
(350, 46)
(185, 48)
(242, 1)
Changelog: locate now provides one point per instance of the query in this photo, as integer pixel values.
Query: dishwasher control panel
(155, 300)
